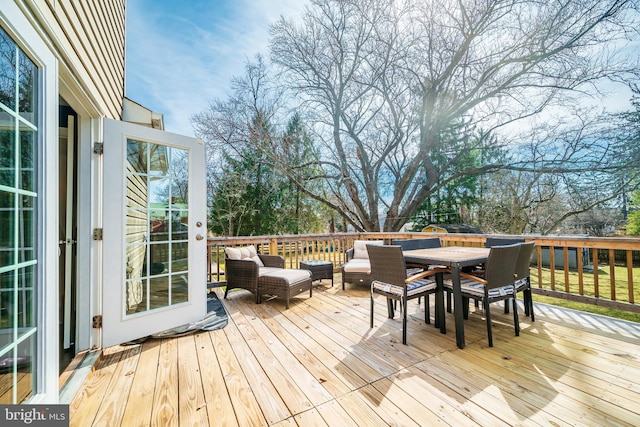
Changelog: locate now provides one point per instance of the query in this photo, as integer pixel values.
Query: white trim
(21, 30)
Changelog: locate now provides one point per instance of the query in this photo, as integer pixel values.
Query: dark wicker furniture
(319, 269)
(498, 284)
(272, 279)
(357, 268)
(389, 278)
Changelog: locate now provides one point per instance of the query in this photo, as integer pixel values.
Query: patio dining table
(454, 257)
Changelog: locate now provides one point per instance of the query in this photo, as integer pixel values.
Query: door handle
(199, 237)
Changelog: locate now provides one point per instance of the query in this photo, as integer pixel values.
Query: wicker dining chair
(523, 277)
(498, 284)
(389, 278)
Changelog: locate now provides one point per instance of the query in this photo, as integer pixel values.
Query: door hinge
(97, 322)
(98, 148)
(97, 234)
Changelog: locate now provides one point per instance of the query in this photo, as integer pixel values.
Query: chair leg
(390, 308)
(533, 317)
(448, 302)
(226, 291)
(404, 322)
(506, 306)
(465, 307)
(516, 322)
(487, 314)
(371, 316)
(427, 309)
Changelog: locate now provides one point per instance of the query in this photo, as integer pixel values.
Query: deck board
(319, 363)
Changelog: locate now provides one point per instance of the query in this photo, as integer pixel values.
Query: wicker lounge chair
(264, 275)
(357, 268)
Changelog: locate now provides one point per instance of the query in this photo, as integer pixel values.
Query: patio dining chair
(389, 278)
(498, 284)
(523, 277)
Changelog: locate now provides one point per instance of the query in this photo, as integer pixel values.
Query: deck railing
(592, 270)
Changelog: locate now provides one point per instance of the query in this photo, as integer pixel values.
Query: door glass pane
(7, 228)
(153, 224)
(137, 156)
(8, 60)
(7, 148)
(26, 88)
(18, 223)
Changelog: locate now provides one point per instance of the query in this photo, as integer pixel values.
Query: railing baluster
(565, 255)
(596, 287)
(630, 276)
(580, 271)
(552, 267)
(612, 273)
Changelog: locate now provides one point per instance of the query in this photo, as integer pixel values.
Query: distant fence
(592, 270)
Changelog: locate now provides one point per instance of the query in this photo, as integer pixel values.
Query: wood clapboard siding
(89, 39)
(319, 363)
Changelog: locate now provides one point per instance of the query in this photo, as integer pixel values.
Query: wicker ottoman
(285, 283)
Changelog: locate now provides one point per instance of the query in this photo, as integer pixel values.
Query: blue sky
(182, 54)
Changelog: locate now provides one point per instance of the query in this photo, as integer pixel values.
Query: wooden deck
(318, 363)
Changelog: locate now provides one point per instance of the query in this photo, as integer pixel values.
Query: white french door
(154, 232)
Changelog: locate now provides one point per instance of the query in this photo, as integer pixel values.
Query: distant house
(102, 216)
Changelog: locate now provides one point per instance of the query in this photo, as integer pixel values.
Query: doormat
(216, 318)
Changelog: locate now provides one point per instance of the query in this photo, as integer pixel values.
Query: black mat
(216, 318)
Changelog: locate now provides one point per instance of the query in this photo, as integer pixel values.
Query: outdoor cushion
(268, 270)
(413, 288)
(357, 265)
(291, 275)
(360, 248)
(233, 253)
(247, 252)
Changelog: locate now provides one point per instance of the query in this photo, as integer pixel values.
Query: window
(18, 222)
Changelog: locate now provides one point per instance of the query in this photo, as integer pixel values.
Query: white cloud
(180, 58)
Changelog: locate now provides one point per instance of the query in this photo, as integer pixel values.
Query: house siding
(88, 38)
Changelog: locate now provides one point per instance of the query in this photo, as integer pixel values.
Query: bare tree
(387, 80)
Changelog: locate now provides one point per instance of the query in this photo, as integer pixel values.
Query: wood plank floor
(319, 363)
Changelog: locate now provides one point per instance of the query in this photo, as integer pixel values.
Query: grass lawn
(604, 290)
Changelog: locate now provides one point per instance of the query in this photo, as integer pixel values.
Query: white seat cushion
(268, 270)
(471, 287)
(291, 275)
(413, 288)
(360, 248)
(357, 265)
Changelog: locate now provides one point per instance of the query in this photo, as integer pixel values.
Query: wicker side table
(319, 269)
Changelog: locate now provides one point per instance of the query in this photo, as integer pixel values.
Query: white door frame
(46, 368)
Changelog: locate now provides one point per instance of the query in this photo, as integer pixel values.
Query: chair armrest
(472, 277)
(426, 273)
(272, 260)
(246, 266)
(241, 273)
(348, 255)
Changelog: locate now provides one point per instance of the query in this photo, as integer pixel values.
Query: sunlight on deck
(318, 363)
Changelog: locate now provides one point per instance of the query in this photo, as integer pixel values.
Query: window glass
(156, 226)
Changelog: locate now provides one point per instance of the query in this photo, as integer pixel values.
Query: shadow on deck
(319, 363)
